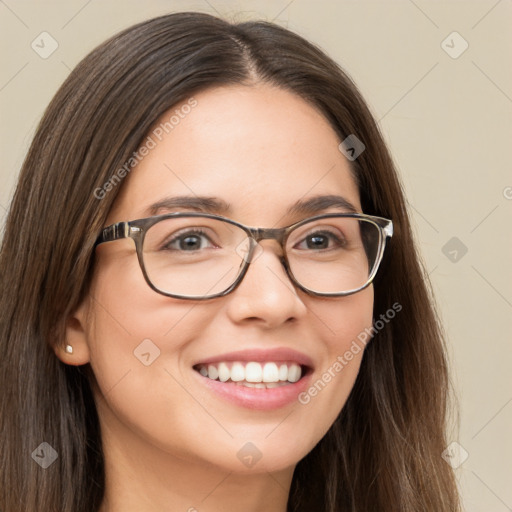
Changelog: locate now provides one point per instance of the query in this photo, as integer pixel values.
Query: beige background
(447, 121)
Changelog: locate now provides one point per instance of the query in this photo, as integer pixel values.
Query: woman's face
(259, 149)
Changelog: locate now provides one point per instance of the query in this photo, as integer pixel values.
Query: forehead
(259, 149)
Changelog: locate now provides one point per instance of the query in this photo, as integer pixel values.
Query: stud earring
(69, 349)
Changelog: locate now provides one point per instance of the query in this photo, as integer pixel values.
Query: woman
(159, 351)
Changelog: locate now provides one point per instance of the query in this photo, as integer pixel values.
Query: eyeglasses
(201, 256)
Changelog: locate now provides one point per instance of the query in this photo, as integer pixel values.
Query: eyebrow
(215, 205)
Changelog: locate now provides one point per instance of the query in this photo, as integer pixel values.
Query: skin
(169, 442)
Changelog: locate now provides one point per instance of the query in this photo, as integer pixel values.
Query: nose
(266, 293)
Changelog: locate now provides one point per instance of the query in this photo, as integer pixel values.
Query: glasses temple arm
(388, 229)
(113, 232)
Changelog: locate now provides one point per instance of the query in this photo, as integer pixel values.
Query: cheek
(127, 308)
(132, 327)
(136, 338)
(345, 320)
(347, 326)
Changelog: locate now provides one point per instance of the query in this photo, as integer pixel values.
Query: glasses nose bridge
(277, 234)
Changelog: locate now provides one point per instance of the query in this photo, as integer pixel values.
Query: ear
(76, 337)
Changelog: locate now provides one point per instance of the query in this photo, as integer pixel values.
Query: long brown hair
(383, 452)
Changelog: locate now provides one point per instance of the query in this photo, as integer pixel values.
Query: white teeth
(212, 372)
(294, 373)
(269, 375)
(253, 372)
(237, 372)
(270, 372)
(224, 373)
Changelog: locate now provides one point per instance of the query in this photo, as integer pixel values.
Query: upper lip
(261, 355)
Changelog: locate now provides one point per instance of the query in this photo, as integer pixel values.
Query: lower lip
(254, 398)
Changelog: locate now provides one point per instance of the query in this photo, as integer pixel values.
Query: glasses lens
(193, 256)
(200, 257)
(334, 254)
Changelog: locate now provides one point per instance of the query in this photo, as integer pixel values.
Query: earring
(69, 349)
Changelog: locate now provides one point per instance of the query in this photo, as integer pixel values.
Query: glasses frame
(137, 229)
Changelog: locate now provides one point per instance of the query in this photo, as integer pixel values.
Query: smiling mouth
(253, 374)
